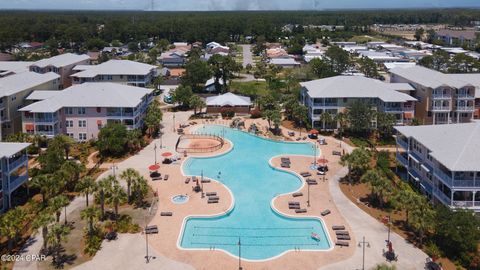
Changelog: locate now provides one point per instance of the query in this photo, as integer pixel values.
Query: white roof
(15, 66)
(283, 61)
(212, 81)
(61, 60)
(391, 65)
(42, 94)
(8, 149)
(356, 87)
(91, 95)
(114, 67)
(454, 145)
(16, 83)
(434, 79)
(229, 99)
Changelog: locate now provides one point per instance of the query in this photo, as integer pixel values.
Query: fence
(199, 149)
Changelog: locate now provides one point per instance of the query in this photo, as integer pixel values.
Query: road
(247, 55)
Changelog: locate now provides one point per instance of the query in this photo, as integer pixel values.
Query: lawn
(365, 39)
(251, 89)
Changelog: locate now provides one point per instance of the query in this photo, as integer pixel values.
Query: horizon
(231, 5)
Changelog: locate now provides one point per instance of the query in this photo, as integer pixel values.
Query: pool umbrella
(313, 132)
(154, 167)
(322, 161)
(167, 154)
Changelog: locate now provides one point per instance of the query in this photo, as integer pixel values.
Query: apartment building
(442, 161)
(62, 65)
(13, 91)
(335, 94)
(13, 171)
(117, 71)
(442, 98)
(13, 67)
(80, 111)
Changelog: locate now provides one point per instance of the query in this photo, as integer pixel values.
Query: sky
(175, 5)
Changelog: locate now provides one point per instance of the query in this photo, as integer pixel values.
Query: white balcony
(441, 96)
(402, 160)
(441, 108)
(465, 96)
(465, 109)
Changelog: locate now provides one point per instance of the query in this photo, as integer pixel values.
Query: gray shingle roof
(356, 87)
(8, 149)
(91, 95)
(455, 145)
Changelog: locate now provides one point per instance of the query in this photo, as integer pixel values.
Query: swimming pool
(245, 170)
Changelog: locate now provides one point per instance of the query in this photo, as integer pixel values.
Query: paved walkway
(247, 55)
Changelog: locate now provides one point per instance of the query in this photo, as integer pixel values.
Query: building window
(81, 110)
(82, 123)
(68, 111)
(99, 109)
(82, 136)
(70, 135)
(109, 77)
(69, 123)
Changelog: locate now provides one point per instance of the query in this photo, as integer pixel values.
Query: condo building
(13, 171)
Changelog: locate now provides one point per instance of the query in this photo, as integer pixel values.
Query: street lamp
(362, 245)
(173, 122)
(113, 168)
(155, 150)
(201, 183)
(315, 154)
(308, 195)
(146, 240)
(239, 254)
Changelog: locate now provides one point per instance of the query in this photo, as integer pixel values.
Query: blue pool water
(246, 172)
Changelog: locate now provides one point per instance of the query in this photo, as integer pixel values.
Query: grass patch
(251, 89)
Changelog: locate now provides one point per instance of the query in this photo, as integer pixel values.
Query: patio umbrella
(313, 132)
(154, 167)
(167, 154)
(322, 161)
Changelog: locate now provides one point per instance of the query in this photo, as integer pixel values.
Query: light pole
(388, 224)
(308, 194)
(362, 245)
(173, 122)
(114, 168)
(201, 183)
(315, 154)
(155, 150)
(146, 240)
(239, 254)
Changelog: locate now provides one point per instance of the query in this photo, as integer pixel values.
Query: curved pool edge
(273, 208)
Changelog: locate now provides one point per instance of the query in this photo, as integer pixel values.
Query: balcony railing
(443, 176)
(321, 104)
(441, 196)
(16, 181)
(467, 204)
(465, 108)
(12, 165)
(45, 133)
(441, 96)
(46, 119)
(464, 96)
(441, 108)
(402, 160)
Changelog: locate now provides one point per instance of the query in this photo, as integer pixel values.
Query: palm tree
(104, 186)
(43, 220)
(196, 103)
(11, 223)
(57, 203)
(140, 189)
(378, 184)
(87, 186)
(325, 118)
(358, 161)
(116, 196)
(129, 175)
(406, 199)
(45, 183)
(65, 142)
(422, 218)
(58, 233)
(72, 171)
(91, 214)
(342, 119)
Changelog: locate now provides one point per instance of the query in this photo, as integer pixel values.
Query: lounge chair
(312, 183)
(342, 243)
(211, 193)
(156, 178)
(292, 202)
(343, 237)
(213, 198)
(166, 177)
(297, 194)
(206, 181)
(300, 210)
(326, 212)
(285, 165)
(166, 214)
(338, 227)
(293, 206)
(187, 180)
(341, 232)
(212, 201)
(305, 174)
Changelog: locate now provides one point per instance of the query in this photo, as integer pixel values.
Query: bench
(338, 227)
(326, 212)
(153, 229)
(297, 194)
(305, 174)
(166, 214)
(342, 243)
(300, 211)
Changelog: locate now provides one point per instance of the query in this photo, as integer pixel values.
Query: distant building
(13, 171)
(117, 71)
(442, 161)
(228, 101)
(80, 111)
(457, 37)
(333, 95)
(210, 84)
(442, 98)
(173, 58)
(13, 91)
(62, 65)
(284, 62)
(13, 67)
